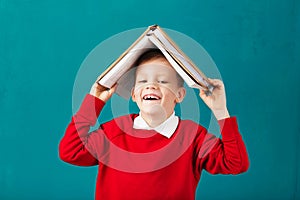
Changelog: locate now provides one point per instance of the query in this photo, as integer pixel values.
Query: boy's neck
(154, 120)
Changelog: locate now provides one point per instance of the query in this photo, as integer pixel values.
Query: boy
(153, 155)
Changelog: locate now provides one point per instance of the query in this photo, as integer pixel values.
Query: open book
(154, 37)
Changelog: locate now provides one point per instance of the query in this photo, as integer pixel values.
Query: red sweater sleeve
(75, 146)
(227, 155)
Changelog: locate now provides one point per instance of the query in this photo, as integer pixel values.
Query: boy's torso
(142, 163)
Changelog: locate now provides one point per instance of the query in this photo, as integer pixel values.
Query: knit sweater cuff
(229, 128)
(90, 108)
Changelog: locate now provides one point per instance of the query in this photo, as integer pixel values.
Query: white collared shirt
(167, 128)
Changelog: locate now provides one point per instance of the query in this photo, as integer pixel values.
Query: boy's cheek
(137, 88)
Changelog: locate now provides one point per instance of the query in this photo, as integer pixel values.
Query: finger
(216, 83)
(113, 89)
(101, 87)
(202, 94)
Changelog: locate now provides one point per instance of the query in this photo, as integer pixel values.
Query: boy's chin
(155, 111)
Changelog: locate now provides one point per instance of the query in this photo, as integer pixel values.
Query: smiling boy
(153, 154)
(158, 88)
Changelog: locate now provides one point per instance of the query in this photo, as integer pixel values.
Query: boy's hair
(153, 54)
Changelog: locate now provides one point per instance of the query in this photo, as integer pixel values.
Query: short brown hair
(153, 54)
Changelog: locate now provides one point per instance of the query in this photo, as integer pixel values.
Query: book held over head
(154, 37)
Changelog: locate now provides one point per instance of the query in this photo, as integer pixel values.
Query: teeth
(150, 97)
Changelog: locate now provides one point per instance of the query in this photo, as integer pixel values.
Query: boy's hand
(217, 100)
(102, 92)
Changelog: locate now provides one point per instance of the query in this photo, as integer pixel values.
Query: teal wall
(255, 44)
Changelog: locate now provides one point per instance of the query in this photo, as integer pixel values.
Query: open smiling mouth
(151, 97)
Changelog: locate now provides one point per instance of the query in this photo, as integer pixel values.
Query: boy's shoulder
(189, 125)
(119, 125)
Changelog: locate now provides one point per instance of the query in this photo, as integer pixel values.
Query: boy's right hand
(102, 92)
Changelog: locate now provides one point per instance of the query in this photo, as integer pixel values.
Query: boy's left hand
(217, 100)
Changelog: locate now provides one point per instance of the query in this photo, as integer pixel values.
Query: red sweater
(143, 164)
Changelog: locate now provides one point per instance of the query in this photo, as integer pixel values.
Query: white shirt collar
(167, 128)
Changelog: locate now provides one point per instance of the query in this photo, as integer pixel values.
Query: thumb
(113, 89)
(203, 95)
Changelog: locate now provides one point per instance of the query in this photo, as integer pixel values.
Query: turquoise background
(255, 44)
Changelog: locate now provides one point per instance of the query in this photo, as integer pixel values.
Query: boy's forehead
(161, 61)
(160, 65)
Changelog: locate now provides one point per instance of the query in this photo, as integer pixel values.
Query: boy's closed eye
(159, 81)
(142, 81)
(163, 82)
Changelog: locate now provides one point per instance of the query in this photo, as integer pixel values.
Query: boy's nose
(151, 86)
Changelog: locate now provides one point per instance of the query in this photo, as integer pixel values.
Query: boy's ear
(133, 95)
(180, 94)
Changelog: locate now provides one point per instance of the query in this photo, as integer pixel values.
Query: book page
(126, 83)
(175, 65)
(125, 63)
(185, 62)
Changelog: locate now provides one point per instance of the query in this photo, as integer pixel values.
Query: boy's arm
(217, 100)
(229, 155)
(76, 147)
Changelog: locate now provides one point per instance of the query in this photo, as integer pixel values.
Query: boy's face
(156, 89)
